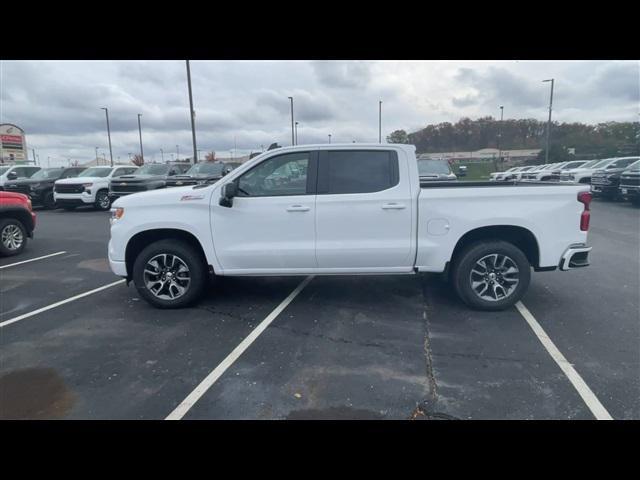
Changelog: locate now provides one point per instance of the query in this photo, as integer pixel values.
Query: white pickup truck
(90, 187)
(347, 209)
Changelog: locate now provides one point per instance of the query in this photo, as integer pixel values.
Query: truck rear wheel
(170, 274)
(491, 275)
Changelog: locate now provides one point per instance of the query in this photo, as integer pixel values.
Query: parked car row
(617, 177)
(72, 187)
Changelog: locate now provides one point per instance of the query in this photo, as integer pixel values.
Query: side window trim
(312, 175)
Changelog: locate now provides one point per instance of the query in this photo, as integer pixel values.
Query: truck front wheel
(170, 274)
(491, 275)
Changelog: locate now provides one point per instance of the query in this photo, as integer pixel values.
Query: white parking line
(182, 409)
(32, 260)
(57, 304)
(574, 377)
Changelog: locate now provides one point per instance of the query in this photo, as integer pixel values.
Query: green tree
(398, 136)
(557, 153)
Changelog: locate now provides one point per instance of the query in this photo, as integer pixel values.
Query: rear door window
(357, 171)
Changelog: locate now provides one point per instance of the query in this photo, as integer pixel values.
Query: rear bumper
(576, 256)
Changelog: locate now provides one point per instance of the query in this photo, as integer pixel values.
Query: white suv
(15, 172)
(91, 187)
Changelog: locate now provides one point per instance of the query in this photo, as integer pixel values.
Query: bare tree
(210, 157)
(137, 160)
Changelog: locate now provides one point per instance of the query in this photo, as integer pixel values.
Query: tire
(49, 203)
(486, 252)
(103, 202)
(13, 237)
(187, 257)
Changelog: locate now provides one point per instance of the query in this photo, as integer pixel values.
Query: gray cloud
(245, 103)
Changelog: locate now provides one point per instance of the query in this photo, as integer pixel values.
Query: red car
(17, 222)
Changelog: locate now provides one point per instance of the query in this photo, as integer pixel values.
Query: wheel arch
(141, 239)
(521, 237)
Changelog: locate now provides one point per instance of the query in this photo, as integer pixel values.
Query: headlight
(116, 214)
(87, 185)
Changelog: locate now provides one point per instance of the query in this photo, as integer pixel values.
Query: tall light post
(162, 155)
(380, 121)
(546, 153)
(193, 116)
(97, 158)
(500, 134)
(293, 138)
(106, 111)
(296, 132)
(329, 138)
(140, 132)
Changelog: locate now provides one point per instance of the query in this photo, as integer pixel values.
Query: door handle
(393, 206)
(298, 208)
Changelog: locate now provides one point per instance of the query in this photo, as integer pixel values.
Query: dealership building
(13, 144)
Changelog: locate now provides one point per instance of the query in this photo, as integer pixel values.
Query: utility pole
(193, 116)
(293, 138)
(106, 111)
(500, 134)
(140, 132)
(380, 121)
(546, 153)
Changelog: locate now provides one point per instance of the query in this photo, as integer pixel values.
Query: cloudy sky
(244, 103)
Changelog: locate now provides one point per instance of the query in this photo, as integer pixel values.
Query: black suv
(606, 182)
(204, 172)
(148, 177)
(630, 183)
(39, 187)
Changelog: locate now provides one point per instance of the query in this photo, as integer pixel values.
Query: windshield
(573, 164)
(602, 163)
(624, 162)
(153, 170)
(433, 167)
(207, 168)
(47, 173)
(96, 172)
(635, 166)
(4, 169)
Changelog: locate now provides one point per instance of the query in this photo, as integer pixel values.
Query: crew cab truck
(351, 209)
(91, 187)
(17, 222)
(630, 183)
(39, 187)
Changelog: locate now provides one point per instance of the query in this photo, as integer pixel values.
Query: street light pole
(140, 132)
(296, 133)
(546, 153)
(162, 155)
(106, 111)
(97, 159)
(380, 121)
(193, 116)
(293, 138)
(500, 134)
(329, 138)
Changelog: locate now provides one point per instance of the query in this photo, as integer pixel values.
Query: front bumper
(606, 189)
(74, 198)
(630, 190)
(576, 256)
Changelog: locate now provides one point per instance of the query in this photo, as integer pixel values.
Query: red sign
(11, 138)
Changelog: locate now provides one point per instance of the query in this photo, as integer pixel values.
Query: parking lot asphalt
(375, 347)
